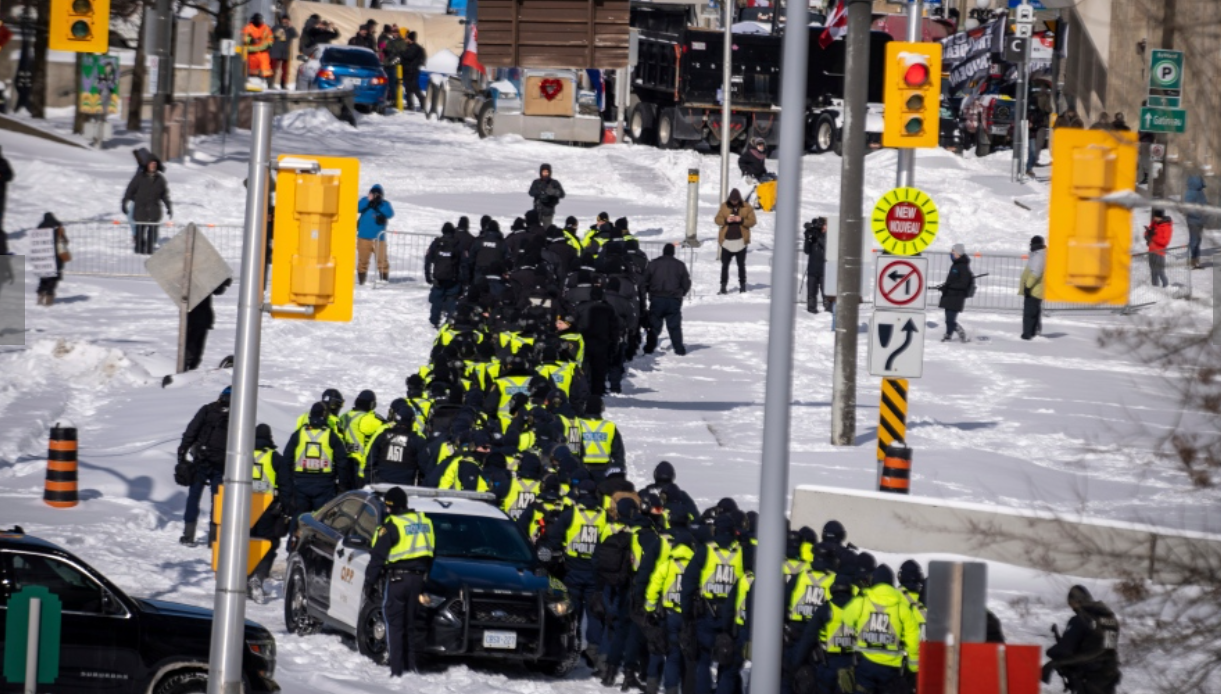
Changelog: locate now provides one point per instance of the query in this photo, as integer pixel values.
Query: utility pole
(726, 88)
(228, 631)
(905, 176)
(1169, 17)
(767, 601)
(851, 226)
(165, 74)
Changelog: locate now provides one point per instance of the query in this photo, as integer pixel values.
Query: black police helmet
(317, 415)
(395, 500)
(529, 466)
(865, 564)
(627, 508)
(792, 545)
(807, 534)
(366, 401)
(401, 411)
(842, 585)
(911, 575)
(664, 473)
(262, 432)
(883, 574)
(333, 400)
(834, 532)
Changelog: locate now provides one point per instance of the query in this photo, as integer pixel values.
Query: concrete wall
(1038, 540)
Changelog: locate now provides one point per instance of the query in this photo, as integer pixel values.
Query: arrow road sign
(896, 344)
(1163, 120)
(900, 282)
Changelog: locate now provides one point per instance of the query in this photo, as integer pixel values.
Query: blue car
(348, 67)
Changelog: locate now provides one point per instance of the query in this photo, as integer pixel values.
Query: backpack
(489, 254)
(442, 416)
(445, 265)
(613, 559)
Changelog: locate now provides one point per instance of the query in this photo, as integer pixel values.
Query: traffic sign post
(900, 283)
(896, 344)
(1163, 120)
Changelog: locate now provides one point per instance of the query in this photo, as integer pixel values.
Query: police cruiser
(487, 596)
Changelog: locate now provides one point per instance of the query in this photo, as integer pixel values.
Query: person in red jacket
(1157, 237)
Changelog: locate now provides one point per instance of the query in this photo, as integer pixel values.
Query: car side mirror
(110, 604)
(356, 542)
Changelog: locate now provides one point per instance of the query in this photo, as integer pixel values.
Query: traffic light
(314, 263)
(913, 95)
(1088, 241)
(80, 26)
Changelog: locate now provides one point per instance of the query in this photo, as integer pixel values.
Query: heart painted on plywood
(550, 88)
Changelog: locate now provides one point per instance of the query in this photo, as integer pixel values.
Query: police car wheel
(189, 682)
(371, 633)
(296, 615)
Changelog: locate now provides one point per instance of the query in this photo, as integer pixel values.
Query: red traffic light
(916, 75)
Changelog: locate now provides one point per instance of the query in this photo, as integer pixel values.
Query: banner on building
(968, 55)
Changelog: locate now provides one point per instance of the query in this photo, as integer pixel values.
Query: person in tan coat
(735, 218)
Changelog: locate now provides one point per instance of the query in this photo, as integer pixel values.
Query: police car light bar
(430, 493)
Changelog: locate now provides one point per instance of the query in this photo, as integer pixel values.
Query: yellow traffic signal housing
(912, 112)
(1088, 241)
(81, 26)
(314, 259)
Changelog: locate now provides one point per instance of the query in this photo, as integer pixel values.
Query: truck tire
(826, 135)
(665, 130)
(640, 133)
(983, 146)
(184, 682)
(484, 119)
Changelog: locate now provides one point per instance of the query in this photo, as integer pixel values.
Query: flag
(470, 56)
(837, 26)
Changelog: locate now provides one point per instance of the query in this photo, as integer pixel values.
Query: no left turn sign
(900, 283)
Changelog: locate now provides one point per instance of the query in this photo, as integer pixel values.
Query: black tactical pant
(399, 605)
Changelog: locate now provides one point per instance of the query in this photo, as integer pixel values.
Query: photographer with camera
(374, 212)
(547, 193)
(815, 247)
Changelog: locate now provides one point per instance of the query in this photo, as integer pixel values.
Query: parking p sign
(1166, 69)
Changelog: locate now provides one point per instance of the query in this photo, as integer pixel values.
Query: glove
(380, 219)
(182, 454)
(1048, 669)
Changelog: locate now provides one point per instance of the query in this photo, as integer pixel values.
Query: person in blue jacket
(374, 212)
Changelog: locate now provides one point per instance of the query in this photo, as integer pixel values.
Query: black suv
(116, 643)
(487, 595)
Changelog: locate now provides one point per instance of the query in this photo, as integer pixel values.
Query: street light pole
(726, 88)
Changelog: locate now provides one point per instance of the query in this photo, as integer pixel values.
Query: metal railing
(998, 289)
(107, 249)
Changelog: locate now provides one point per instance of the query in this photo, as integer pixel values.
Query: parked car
(488, 595)
(112, 642)
(345, 67)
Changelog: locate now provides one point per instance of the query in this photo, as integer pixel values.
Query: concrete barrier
(1041, 540)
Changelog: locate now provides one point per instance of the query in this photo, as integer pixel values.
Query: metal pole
(767, 634)
(623, 94)
(905, 175)
(225, 662)
(237, 72)
(693, 209)
(1021, 145)
(165, 70)
(852, 224)
(1216, 334)
(184, 307)
(726, 88)
(31, 646)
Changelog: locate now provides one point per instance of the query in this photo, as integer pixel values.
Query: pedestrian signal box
(912, 114)
(314, 262)
(80, 26)
(1088, 241)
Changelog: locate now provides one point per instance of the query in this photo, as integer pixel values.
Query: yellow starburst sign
(905, 221)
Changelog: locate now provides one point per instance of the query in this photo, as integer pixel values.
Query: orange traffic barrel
(60, 490)
(896, 469)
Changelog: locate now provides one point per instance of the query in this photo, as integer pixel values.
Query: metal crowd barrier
(998, 291)
(107, 249)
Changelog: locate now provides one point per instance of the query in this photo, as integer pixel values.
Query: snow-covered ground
(1059, 422)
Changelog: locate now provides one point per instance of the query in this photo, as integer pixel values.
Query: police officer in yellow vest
(911, 584)
(708, 585)
(663, 603)
(808, 589)
(576, 535)
(514, 378)
(828, 643)
(359, 425)
(332, 399)
(887, 634)
(527, 484)
(402, 553)
(602, 444)
(269, 468)
(319, 462)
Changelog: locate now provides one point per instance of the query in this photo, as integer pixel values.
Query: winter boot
(188, 535)
(254, 590)
(50, 298)
(40, 299)
(631, 681)
(608, 678)
(385, 276)
(962, 334)
(723, 290)
(652, 686)
(361, 276)
(947, 338)
(742, 288)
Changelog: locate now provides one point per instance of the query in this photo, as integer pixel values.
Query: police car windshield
(477, 537)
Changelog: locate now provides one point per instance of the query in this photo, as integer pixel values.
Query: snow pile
(314, 121)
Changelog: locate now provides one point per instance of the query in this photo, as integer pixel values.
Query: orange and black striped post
(892, 414)
(896, 469)
(60, 490)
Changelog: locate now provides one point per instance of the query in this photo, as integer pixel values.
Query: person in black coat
(413, 61)
(667, 281)
(954, 292)
(488, 256)
(1086, 655)
(601, 330)
(815, 248)
(205, 439)
(269, 525)
(396, 453)
(200, 320)
(363, 38)
(443, 270)
(547, 193)
(146, 193)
